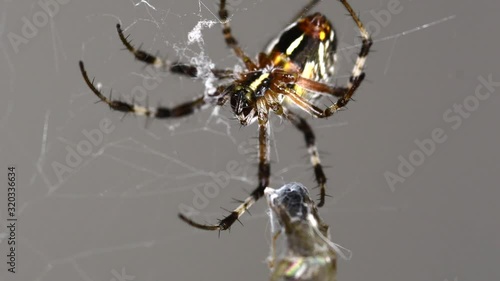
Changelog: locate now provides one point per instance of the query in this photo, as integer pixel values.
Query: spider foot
(322, 195)
(224, 224)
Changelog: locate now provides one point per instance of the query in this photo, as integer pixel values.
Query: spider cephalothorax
(305, 49)
(292, 73)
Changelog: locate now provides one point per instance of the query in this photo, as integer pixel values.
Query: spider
(291, 74)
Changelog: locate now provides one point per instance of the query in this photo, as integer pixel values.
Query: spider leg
(263, 175)
(357, 75)
(229, 38)
(321, 88)
(159, 112)
(302, 125)
(302, 103)
(157, 62)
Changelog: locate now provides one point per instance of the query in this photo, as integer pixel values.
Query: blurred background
(413, 164)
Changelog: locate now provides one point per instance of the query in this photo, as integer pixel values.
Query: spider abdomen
(307, 47)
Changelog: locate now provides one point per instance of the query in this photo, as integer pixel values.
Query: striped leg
(321, 88)
(263, 174)
(302, 125)
(229, 38)
(357, 75)
(157, 62)
(159, 112)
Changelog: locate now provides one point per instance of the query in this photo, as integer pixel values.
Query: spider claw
(321, 203)
(198, 225)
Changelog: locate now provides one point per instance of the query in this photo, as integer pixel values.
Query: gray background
(117, 211)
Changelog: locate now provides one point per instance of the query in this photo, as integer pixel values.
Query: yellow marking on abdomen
(294, 45)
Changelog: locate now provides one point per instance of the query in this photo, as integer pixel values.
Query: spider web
(142, 173)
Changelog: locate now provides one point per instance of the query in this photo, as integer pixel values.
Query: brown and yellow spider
(306, 252)
(292, 73)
